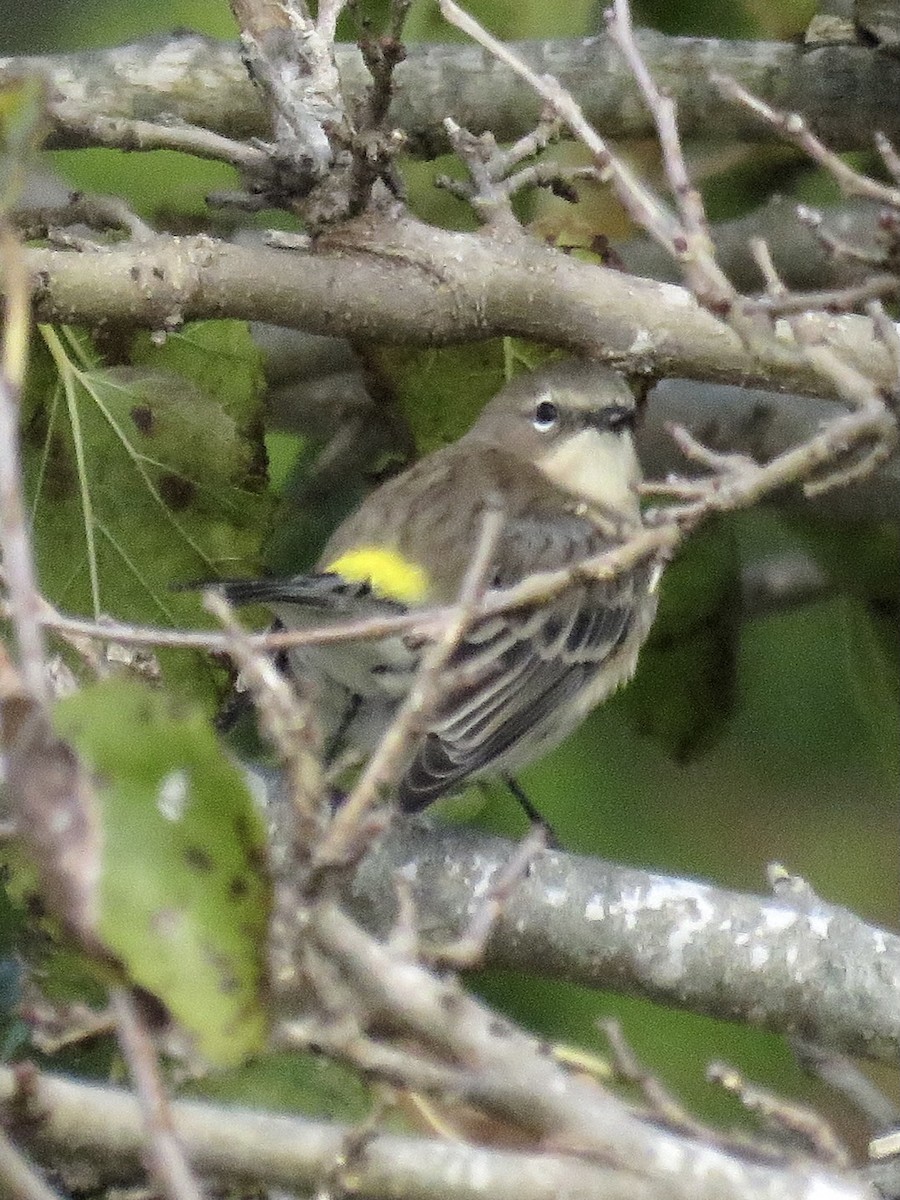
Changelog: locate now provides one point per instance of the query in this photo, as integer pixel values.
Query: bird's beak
(618, 416)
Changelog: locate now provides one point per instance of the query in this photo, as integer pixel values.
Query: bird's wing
(327, 594)
(511, 674)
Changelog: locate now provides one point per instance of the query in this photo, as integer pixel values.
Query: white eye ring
(546, 414)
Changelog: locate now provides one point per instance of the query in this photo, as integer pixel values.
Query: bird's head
(572, 420)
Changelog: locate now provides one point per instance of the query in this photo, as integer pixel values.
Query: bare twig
(836, 246)
(784, 1114)
(166, 1159)
(692, 247)
(834, 300)
(794, 129)
(83, 644)
(468, 949)
(638, 201)
(889, 155)
(887, 332)
(123, 134)
(426, 623)
(629, 1069)
(858, 388)
(886, 1146)
(385, 764)
(327, 19)
(286, 720)
(97, 212)
(846, 1077)
(493, 177)
(16, 545)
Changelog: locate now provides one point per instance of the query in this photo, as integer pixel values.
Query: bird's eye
(546, 414)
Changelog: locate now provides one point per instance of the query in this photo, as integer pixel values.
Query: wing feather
(509, 678)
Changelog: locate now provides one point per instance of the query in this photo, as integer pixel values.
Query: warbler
(554, 451)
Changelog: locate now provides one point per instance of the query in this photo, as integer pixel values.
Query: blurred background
(753, 734)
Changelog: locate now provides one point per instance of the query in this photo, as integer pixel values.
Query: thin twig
(836, 246)
(424, 624)
(327, 18)
(844, 1075)
(97, 212)
(784, 1114)
(286, 720)
(693, 248)
(385, 764)
(16, 545)
(166, 1159)
(641, 205)
(885, 1146)
(629, 1069)
(889, 155)
(794, 129)
(834, 300)
(887, 332)
(123, 133)
(493, 179)
(468, 949)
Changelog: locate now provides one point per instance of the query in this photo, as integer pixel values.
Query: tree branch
(814, 970)
(102, 1124)
(200, 81)
(403, 281)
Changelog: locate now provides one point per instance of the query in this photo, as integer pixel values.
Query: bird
(553, 451)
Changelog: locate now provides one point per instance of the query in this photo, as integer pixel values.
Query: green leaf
(441, 392)
(220, 357)
(181, 897)
(141, 476)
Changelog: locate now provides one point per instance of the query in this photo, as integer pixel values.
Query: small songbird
(553, 451)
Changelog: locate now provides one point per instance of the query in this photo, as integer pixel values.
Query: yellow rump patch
(385, 570)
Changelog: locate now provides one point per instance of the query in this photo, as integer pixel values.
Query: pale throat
(600, 468)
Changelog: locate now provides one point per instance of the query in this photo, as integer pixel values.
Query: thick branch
(804, 968)
(402, 281)
(844, 89)
(103, 1126)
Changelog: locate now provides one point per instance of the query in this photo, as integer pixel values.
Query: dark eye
(546, 414)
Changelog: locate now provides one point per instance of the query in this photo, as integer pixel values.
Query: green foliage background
(737, 746)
